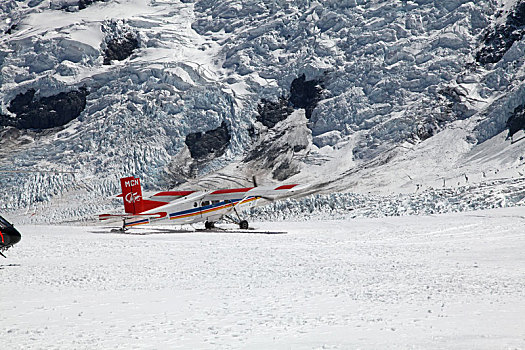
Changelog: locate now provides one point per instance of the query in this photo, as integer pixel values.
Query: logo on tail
(132, 197)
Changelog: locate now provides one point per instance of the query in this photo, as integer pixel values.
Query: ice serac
(350, 95)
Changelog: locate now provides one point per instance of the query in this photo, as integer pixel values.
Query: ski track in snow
(429, 282)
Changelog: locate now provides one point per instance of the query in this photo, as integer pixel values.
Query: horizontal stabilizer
(158, 215)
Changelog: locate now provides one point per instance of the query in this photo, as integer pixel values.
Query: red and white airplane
(188, 207)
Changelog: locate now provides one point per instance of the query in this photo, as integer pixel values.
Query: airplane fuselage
(195, 209)
(182, 207)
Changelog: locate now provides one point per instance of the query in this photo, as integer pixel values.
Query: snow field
(429, 282)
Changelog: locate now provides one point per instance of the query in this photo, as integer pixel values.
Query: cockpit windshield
(4, 223)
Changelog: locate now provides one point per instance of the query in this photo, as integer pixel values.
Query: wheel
(209, 225)
(243, 224)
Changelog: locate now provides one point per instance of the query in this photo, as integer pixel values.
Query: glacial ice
(384, 66)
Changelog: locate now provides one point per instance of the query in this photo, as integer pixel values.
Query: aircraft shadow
(3, 266)
(141, 232)
(158, 230)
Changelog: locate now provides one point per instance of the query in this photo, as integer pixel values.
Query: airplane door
(204, 205)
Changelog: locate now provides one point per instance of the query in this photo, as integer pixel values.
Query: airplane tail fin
(132, 194)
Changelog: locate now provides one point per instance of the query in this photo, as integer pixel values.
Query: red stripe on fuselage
(1, 235)
(286, 187)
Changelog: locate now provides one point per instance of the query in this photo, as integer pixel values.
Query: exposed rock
(199, 150)
(425, 130)
(120, 48)
(270, 113)
(500, 39)
(329, 138)
(46, 112)
(275, 149)
(34, 3)
(285, 170)
(454, 94)
(305, 94)
(215, 142)
(279, 149)
(10, 29)
(82, 4)
(517, 121)
(67, 5)
(11, 138)
(180, 169)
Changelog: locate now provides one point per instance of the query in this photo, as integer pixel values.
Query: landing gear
(243, 224)
(122, 229)
(209, 225)
(5, 248)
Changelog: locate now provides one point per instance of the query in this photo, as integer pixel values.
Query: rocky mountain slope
(351, 96)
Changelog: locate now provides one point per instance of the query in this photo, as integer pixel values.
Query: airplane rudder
(132, 194)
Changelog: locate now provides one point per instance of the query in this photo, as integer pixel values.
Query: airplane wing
(275, 193)
(240, 195)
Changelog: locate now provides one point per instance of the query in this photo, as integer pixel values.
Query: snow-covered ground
(453, 281)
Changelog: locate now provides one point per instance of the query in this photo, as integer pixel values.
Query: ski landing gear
(122, 229)
(243, 224)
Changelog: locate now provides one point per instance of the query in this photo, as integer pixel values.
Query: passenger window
(195, 204)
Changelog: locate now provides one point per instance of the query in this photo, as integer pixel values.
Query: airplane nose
(15, 237)
(10, 237)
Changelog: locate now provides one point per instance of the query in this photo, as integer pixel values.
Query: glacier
(407, 100)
